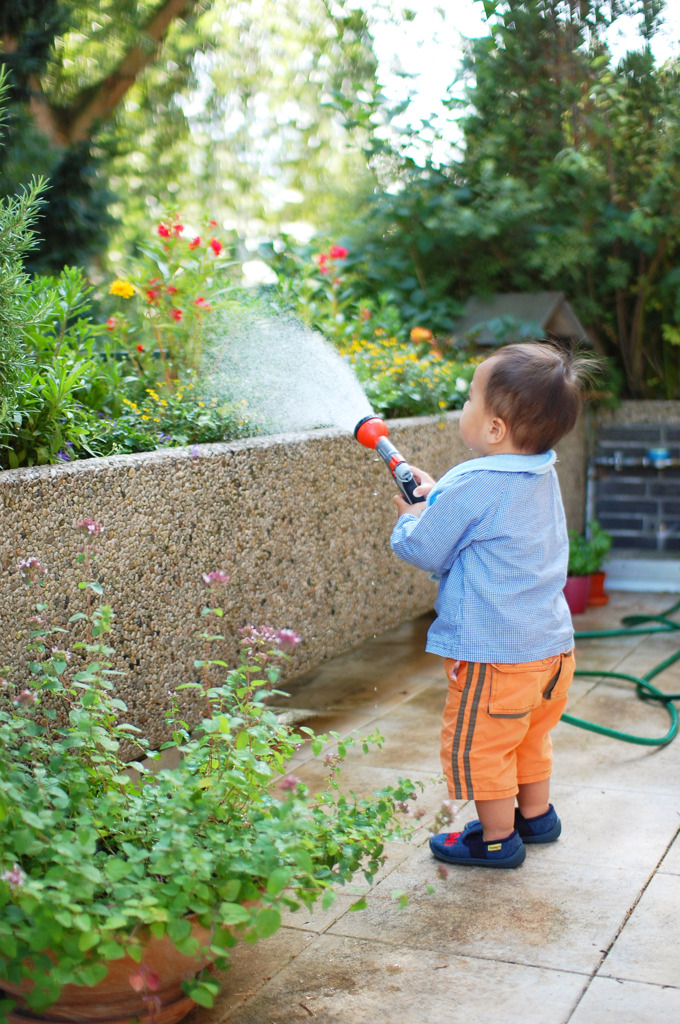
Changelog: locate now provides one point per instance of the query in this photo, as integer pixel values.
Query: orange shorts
(496, 724)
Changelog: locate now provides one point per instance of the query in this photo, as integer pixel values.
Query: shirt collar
(508, 463)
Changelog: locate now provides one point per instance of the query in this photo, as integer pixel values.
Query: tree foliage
(230, 107)
(568, 179)
(70, 67)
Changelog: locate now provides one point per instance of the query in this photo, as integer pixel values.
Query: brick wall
(636, 500)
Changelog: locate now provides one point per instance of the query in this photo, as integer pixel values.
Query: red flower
(176, 314)
(321, 260)
(171, 289)
(195, 242)
(111, 324)
(163, 230)
(213, 224)
(178, 228)
(140, 348)
(202, 304)
(152, 295)
(216, 246)
(365, 314)
(338, 252)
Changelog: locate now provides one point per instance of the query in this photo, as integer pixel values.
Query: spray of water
(288, 376)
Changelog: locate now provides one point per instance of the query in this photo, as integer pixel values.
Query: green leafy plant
(587, 553)
(98, 854)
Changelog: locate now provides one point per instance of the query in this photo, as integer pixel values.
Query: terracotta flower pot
(160, 999)
(597, 595)
(577, 591)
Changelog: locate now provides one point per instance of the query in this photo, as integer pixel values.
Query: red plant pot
(597, 595)
(114, 1000)
(577, 592)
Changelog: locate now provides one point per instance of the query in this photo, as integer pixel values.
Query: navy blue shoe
(544, 828)
(469, 847)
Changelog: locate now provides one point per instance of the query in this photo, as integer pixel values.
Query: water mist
(287, 376)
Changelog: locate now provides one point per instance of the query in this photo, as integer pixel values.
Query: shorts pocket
(517, 689)
(561, 679)
(455, 673)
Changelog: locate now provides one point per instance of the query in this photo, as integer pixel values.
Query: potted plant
(600, 543)
(120, 883)
(586, 555)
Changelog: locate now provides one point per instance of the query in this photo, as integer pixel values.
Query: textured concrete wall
(300, 522)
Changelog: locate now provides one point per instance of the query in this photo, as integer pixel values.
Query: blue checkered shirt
(494, 534)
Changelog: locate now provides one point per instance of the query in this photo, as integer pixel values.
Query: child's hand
(424, 480)
(403, 507)
(425, 485)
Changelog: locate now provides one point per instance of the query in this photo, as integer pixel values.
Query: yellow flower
(163, 402)
(145, 417)
(122, 288)
(153, 394)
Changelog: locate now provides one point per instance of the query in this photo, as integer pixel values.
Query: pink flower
(287, 639)
(202, 304)
(176, 314)
(213, 224)
(32, 569)
(321, 260)
(195, 242)
(216, 578)
(111, 323)
(144, 979)
(163, 230)
(289, 783)
(216, 246)
(26, 697)
(338, 252)
(89, 527)
(178, 228)
(14, 878)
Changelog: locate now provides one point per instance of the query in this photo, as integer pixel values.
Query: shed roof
(510, 316)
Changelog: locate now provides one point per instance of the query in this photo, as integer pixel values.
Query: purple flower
(32, 569)
(216, 578)
(64, 456)
(164, 437)
(14, 878)
(289, 783)
(194, 451)
(287, 639)
(90, 527)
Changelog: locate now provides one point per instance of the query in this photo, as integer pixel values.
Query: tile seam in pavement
(596, 973)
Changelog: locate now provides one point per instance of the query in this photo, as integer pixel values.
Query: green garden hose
(636, 625)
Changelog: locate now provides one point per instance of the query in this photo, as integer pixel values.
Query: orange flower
(421, 334)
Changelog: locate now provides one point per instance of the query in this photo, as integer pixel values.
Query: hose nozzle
(371, 432)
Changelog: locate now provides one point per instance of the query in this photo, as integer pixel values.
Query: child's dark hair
(535, 387)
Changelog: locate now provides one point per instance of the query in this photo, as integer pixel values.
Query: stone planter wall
(300, 522)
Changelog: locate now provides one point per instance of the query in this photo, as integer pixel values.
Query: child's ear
(498, 431)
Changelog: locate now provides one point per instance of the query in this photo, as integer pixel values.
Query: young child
(493, 532)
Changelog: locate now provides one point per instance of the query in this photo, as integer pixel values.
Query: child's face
(475, 419)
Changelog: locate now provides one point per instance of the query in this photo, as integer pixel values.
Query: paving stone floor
(586, 931)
